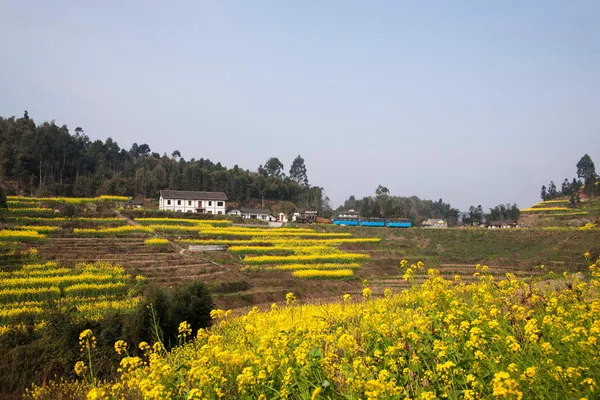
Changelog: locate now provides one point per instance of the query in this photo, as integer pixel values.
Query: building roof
(193, 195)
(254, 211)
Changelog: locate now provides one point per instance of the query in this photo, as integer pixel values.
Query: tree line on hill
(47, 160)
(587, 182)
(502, 212)
(385, 205)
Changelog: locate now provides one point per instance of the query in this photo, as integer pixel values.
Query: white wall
(180, 205)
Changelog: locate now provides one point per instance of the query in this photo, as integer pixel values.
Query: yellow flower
(87, 340)
(184, 330)
(80, 368)
(346, 298)
(120, 347)
(290, 298)
(366, 293)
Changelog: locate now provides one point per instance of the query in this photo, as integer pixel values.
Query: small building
(305, 217)
(501, 224)
(192, 201)
(434, 223)
(137, 203)
(282, 217)
(349, 214)
(252, 213)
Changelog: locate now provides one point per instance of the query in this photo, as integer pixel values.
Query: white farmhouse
(192, 202)
(252, 213)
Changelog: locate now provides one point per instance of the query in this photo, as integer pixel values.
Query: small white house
(192, 201)
(282, 217)
(434, 223)
(252, 213)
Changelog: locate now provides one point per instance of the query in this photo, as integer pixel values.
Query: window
(209, 211)
(210, 203)
(220, 203)
(189, 211)
(178, 202)
(264, 217)
(219, 212)
(189, 202)
(169, 202)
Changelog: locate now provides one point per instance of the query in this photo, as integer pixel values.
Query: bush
(38, 356)
(191, 303)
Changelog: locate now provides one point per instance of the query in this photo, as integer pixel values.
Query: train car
(372, 222)
(346, 221)
(398, 223)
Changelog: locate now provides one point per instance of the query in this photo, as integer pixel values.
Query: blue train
(377, 222)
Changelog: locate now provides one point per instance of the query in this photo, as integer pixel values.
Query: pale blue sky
(477, 102)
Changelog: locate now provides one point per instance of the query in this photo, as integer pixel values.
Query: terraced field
(261, 264)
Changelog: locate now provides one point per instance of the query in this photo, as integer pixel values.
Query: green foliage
(3, 203)
(37, 355)
(503, 212)
(385, 205)
(52, 161)
(298, 171)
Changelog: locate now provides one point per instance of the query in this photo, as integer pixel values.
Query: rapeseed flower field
(91, 287)
(443, 339)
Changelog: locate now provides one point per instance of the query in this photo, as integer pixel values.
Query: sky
(474, 102)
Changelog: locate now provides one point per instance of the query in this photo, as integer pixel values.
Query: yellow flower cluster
(300, 259)
(69, 200)
(442, 339)
(38, 228)
(323, 274)
(29, 221)
(325, 266)
(116, 231)
(20, 235)
(156, 242)
(270, 233)
(183, 221)
(540, 209)
(264, 241)
(244, 250)
(92, 288)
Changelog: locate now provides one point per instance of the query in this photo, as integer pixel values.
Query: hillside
(559, 213)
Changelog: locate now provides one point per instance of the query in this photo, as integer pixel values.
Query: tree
(298, 171)
(585, 168)
(3, 203)
(552, 193)
(175, 154)
(566, 188)
(544, 194)
(274, 167)
(381, 196)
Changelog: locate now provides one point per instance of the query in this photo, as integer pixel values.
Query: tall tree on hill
(552, 193)
(544, 194)
(274, 167)
(566, 188)
(586, 168)
(298, 171)
(381, 197)
(586, 171)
